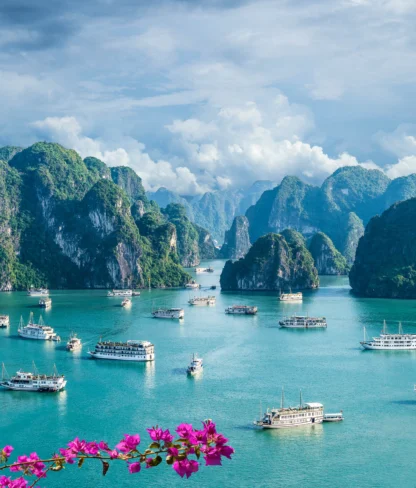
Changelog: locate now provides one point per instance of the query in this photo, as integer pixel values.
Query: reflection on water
(62, 402)
(149, 379)
(314, 432)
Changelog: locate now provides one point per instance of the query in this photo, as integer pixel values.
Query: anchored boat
(192, 285)
(290, 297)
(168, 313)
(4, 321)
(124, 351)
(38, 292)
(210, 300)
(241, 310)
(334, 417)
(45, 303)
(390, 342)
(120, 293)
(303, 322)
(24, 381)
(38, 331)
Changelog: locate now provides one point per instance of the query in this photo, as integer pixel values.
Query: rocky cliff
(66, 223)
(274, 262)
(237, 239)
(385, 263)
(328, 260)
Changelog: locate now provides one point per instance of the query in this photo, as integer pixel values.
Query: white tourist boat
(303, 322)
(135, 293)
(124, 351)
(126, 303)
(241, 310)
(24, 381)
(120, 293)
(334, 417)
(4, 321)
(289, 417)
(38, 292)
(38, 331)
(291, 297)
(192, 285)
(204, 270)
(201, 301)
(168, 313)
(196, 365)
(390, 342)
(45, 303)
(74, 343)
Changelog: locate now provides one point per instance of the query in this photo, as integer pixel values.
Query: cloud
(405, 167)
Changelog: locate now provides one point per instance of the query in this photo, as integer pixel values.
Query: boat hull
(25, 336)
(282, 326)
(373, 347)
(289, 426)
(148, 357)
(34, 388)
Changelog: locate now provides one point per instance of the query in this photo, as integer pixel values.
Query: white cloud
(405, 167)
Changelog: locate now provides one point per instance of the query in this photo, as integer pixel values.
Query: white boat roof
(314, 405)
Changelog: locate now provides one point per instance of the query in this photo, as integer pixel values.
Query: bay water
(247, 360)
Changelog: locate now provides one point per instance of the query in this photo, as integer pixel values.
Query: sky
(202, 95)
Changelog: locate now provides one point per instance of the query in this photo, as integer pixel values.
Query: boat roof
(313, 405)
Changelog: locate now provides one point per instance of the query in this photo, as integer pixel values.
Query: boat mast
(282, 402)
(261, 412)
(384, 327)
(300, 399)
(365, 335)
(35, 371)
(400, 328)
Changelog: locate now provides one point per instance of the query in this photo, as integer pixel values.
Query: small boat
(126, 303)
(192, 285)
(290, 297)
(33, 381)
(74, 343)
(4, 321)
(303, 322)
(390, 342)
(168, 313)
(38, 292)
(196, 365)
(201, 301)
(213, 287)
(288, 417)
(333, 417)
(204, 270)
(209, 270)
(45, 303)
(120, 293)
(135, 293)
(241, 310)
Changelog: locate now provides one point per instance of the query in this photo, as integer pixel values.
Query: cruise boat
(390, 342)
(135, 293)
(204, 270)
(38, 331)
(192, 285)
(38, 292)
(168, 313)
(120, 293)
(124, 351)
(126, 303)
(196, 365)
(288, 417)
(24, 381)
(45, 303)
(74, 343)
(303, 322)
(210, 300)
(241, 310)
(4, 321)
(334, 417)
(291, 297)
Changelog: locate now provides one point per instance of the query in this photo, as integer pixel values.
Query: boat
(241, 310)
(210, 300)
(4, 321)
(192, 285)
(291, 297)
(209, 270)
(213, 287)
(25, 381)
(38, 292)
(74, 343)
(204, 270)
(390, 342)
(126, 302)
(45, 302)
(169, 313)
(38, 331)
(135, 293)
(196, 365)
(124, 351)
(333, 417)
(303, 322)
(288, 417)
(120, 293)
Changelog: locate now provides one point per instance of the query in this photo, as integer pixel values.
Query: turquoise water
(247, 360)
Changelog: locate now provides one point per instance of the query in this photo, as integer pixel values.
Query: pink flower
(68, 454)
(7, 450)
(185, 430)
(134, 467)
(185, 467)
(9, 483)
(92, 448)
(77, 446)
(157, 434)
(113, 454)
(103, 446)
(129, 443)
(172, 451)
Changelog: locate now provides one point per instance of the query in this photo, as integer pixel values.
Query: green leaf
(157, 460)
(154, 445)
(106, 467)
(169, 459)
(57, 468)
(81, 462)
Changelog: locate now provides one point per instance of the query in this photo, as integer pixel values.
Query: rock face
(237, 240)
(385, 263)
(340, 207)
(328, 260)
(65, 224)
(7, 152)
(274, 262)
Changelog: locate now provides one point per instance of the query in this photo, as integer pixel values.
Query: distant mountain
(385, 263)
(215, 211)
(339, 208)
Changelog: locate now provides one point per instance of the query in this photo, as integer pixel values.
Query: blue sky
(199, 95)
